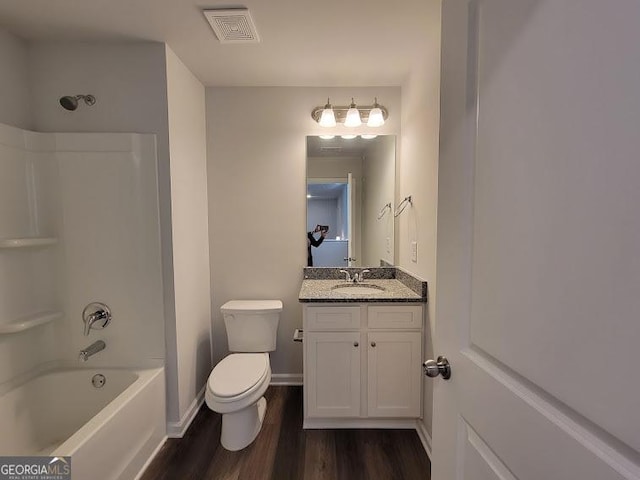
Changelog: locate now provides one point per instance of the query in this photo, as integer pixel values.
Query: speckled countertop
(313, 290)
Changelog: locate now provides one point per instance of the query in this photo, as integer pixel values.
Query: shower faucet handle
(95, 316)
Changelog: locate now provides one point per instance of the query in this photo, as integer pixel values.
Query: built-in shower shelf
(28, 242)
(25, 323)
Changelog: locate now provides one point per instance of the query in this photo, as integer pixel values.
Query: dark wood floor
(283, 450)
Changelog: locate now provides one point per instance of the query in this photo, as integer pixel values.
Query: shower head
(71, 103)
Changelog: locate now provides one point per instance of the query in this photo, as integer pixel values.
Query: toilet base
(241, 428)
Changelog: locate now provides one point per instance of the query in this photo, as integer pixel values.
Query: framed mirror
(350, 190)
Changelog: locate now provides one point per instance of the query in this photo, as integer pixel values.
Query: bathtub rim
(67, 365)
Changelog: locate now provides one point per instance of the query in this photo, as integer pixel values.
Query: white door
(538, 258)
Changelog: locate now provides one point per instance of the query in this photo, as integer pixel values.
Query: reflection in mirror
(350, 189)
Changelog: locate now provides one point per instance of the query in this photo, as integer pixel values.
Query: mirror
(350, 189)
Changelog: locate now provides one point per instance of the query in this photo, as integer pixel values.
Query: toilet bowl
(235, 389)
(237, 384)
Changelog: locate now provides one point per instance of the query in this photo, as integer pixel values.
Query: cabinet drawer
(333, 318)
(395, 316)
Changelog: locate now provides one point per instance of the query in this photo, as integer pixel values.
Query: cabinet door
(333, 369)
(394, 379)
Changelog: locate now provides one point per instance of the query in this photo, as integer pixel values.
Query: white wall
(15, 102)
(418, 176)
(323, 212)
(189, 339)
(377, 234)
(256, 171)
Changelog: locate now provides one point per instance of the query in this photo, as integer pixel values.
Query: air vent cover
(233, 26)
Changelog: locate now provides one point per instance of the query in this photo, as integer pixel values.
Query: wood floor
(283, 450)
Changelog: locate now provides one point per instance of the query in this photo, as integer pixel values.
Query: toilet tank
(252, 325)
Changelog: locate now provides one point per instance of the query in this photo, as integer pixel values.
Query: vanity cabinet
(362, 364)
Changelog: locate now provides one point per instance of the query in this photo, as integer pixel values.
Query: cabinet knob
(373, 344)
(355, 344)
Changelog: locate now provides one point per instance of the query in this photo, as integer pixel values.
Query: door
(538, 275)
(333, 387)
(394, 381)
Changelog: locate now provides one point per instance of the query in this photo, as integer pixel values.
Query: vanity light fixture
(327, 117)
(353, 116)
(376, 118)
(350, 115)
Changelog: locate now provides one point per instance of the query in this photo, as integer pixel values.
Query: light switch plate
(388, 245)
(414, 251)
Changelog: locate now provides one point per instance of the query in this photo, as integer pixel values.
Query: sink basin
(357, 289)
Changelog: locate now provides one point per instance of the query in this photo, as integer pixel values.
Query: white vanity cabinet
(362, 364)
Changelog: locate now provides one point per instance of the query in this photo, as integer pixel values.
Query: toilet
(237, 384)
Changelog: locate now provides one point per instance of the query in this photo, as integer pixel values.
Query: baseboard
(324, 423)
(178, 429)
(286, 379)
(425, 438)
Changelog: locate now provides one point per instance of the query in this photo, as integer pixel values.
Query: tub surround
(398, 286)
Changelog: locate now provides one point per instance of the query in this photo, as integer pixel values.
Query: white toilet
(236, 384)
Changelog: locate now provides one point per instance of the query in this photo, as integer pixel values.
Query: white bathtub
(110, 432)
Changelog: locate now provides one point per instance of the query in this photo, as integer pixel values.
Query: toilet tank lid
(251, 306)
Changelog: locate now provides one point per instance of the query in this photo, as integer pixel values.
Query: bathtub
(110, 431)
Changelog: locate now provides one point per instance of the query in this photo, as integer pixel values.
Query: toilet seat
(238, 375)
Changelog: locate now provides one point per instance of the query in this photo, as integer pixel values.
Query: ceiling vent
(233, 26)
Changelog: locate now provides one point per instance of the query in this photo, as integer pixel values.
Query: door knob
(433, 368)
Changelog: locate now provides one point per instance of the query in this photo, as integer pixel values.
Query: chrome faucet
(91, 350)
(348, 277)
(360, 277)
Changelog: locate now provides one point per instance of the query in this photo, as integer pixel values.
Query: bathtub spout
(92, 349)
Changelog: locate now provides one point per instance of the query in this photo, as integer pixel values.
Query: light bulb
(376, 118)
(328, 118)
(327, 137)
(348, 136)
(368, 136)
(353, 116)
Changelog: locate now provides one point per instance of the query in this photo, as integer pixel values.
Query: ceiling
(340, 147)
(304, 42)
(326, 191)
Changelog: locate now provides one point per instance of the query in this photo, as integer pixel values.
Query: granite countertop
(313, 290)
